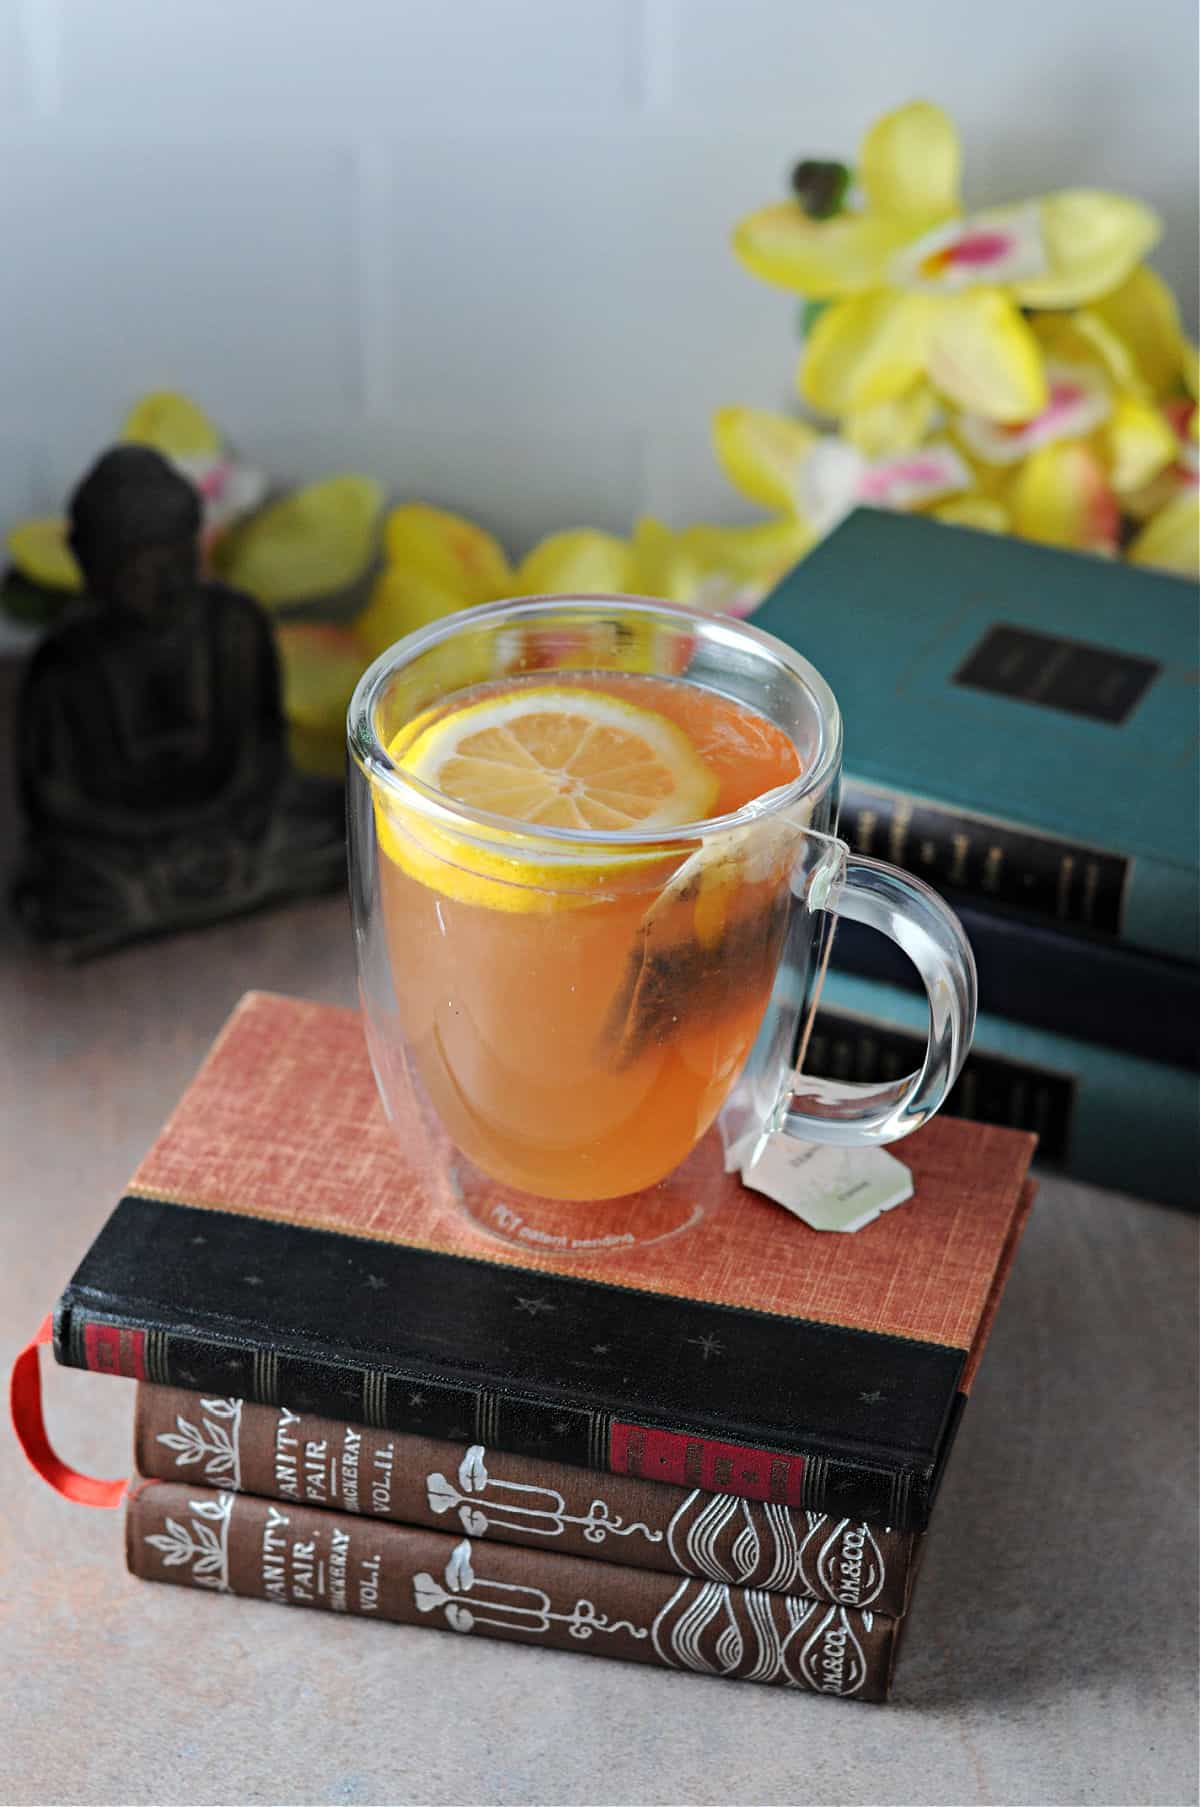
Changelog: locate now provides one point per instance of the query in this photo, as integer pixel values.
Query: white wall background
(479, 247)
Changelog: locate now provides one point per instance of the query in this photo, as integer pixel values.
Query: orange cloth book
(283, 1243)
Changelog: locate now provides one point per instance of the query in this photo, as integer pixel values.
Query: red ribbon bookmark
(25, 1405)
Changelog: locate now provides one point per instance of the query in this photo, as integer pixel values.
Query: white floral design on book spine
(468, 1600)
(832, 1660)
(716, 1630)
(761, 1538)
(705, 1626)
(213, 1443)
(845, 1560)
(202, 1545)
(484, 1502)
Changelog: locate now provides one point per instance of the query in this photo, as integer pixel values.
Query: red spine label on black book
(281, 1454)
(308, 1556)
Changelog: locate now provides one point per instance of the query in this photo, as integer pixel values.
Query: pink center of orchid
(875, 485)
(212, 484)
(1102, 515)
(1090, 502)
(1064, 399)
(1179, 411)
(973, 251)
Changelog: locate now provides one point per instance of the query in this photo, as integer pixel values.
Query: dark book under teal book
(1021, 723)
(1082, 986)
(1099, 1114)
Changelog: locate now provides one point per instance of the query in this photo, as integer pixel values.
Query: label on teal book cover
(1057, 673)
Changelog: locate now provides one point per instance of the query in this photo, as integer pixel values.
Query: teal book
(1099, 1114)
(1021, 723)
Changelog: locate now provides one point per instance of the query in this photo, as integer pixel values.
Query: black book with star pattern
(283, 1242)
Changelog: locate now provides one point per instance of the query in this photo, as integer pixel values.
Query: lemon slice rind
(536, 876)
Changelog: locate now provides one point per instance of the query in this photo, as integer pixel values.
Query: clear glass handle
(916, 919)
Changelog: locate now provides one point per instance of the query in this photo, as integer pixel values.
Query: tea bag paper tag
(829, 1188)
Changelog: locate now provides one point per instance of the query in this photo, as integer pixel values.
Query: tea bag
(710, 940)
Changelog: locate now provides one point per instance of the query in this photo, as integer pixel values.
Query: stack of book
(716, 1454)
(1021, 732)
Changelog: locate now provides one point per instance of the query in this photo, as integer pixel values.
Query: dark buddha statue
(152, 748)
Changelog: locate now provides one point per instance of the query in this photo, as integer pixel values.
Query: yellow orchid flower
(319, 665)
(815, 479)
(763, 454)
(438, 562)
(1132, 337)
(1061, 496)
(172, 424)
(985, 514)
(1074, 467)
(435, 562)
(400, 602)
(1170, 505)
(312, 542)
(39, 551)
(1181, 417)
(580, 561)
(1141, 313)
(448, 550)
(898, 425)
(1170, 540)
(726, 570)
(921, 291)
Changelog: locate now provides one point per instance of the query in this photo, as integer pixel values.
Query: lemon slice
(559, 758)
(551, 757)
(312, 542)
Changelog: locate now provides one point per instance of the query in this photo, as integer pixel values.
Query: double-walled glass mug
(593, 862)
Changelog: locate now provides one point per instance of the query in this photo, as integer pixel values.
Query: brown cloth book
(295, 1456)
(308, 1556)
(281, 1242)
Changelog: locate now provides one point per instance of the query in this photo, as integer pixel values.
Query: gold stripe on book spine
(487, 1414)
(375, 1398)
(265, 1379)
(155, 1355)
(598, 1440)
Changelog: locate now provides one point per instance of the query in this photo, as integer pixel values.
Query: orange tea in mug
(577, 1027)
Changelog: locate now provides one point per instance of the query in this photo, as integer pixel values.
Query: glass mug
(569, 1012)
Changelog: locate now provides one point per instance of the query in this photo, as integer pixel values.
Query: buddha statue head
(135, 521)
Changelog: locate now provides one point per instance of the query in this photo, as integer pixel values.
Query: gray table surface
(1051, 1656)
